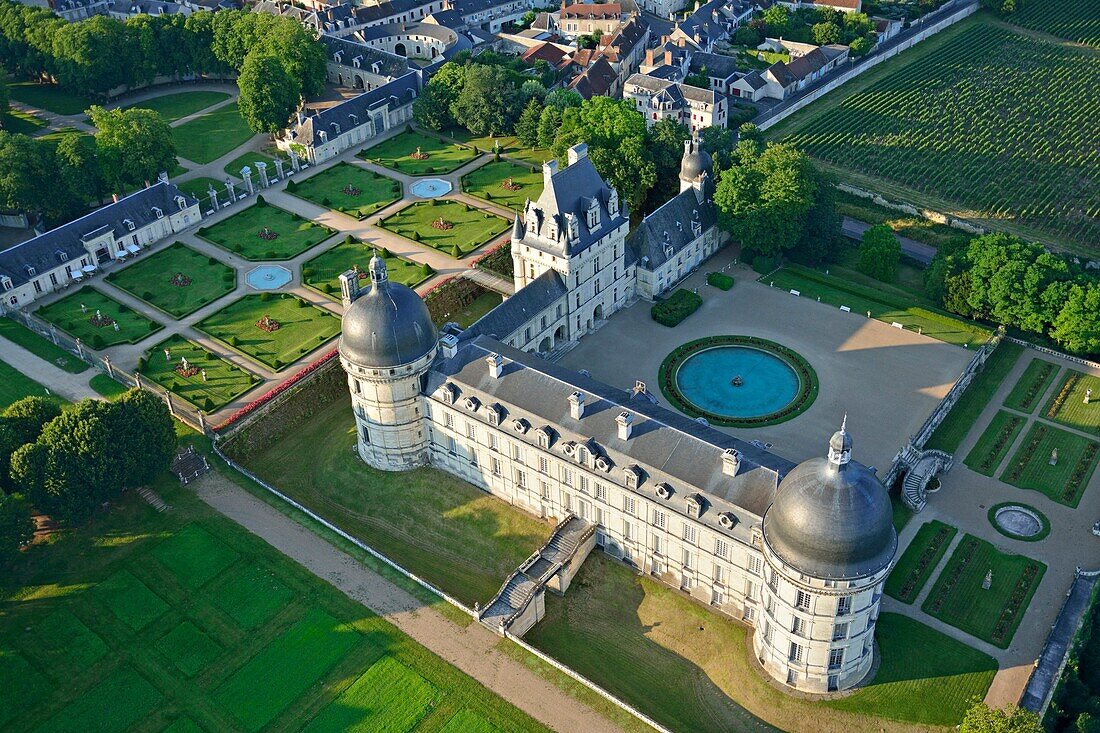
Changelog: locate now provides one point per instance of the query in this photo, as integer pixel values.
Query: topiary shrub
(426, 270)
(302, 303)
(260, 200)
(147, 295)
(429, 169)
(325, 201)
(208, 404)
(278, 364)
(233, 340)
(141, 364)
(211, 260)
(720, 280)
(265, 297)
(292, 185)
(676, 308)
(488, 196)
(348, 239)
(384, 253)
(416, 236)
(455, 251)
(97, 341)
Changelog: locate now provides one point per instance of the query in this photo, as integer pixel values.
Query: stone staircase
(153, 499)
(188, 465)
(924, 466)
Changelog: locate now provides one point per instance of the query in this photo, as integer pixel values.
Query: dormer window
(449, 393)
(159, 214)
(31, 272)
(6, 282)
(520, 425)
(633, 476)
(494, 413)
(472, 403)
(696, 504)
(544, 436)
(663, 491)
(130, 223)
(62, 256)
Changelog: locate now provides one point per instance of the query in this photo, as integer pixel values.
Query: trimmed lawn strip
(302, 328)
(176, 106)
(349, 189)
(387, 698)
(209, 137)
(252, 596)
(49, 97)
(473, 312)
(188, 648)
(322, 273)
(992, 615)
(18, 122)
(40, 346)
(130, 600)
(471, 228)
(177, 279)
(1064, 482)
(115, 704)
(15, 385)
(487, 183)
(65, 639)
(1032, 385)
(974, 400)
(224, 380)
(883, 307)
(1067, 405)
(193, 556)
(396, 154)
(67, 315)
(107, 387)
(233, 167)
(23, 685)
(466, 722)
(918, 561)
(995, 442)
(243, 233)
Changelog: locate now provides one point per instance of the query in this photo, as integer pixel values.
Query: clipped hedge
(720, 280)
(678, 306)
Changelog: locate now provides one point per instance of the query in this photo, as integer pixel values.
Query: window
(659, 519)
(521, 479)
(754, 565)
(773, 582)
(544, 464)
(803, 600)
(844, 606)
(840, 631)
(721, 548)
(567, 477)
(628, 504)
(719, 573)
(601, 492)
(493, 441)
(767, 633)
(451, 445)
(798, 627)
(471, 430)
(688, 563)
(795, 654)
(836, 658)
(517, 452)
(689, 533)
(628, 530)
(545, 490)
(449, 420)
(584, 484)
(494, 464)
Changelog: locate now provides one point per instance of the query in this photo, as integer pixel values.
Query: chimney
(114, 198)
(449, 342)
(496, 365)
(626, 422)
(578, 151)
(349, 287)
(576, 405)
(549, 168)
(731, 460)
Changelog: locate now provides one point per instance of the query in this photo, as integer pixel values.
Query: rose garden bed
(490, 182)
(322, 273)
(224, 381)
(100, 333)
(920, 558)
(1067, 405)
(994, 443)
(397, 153)
(177, 280)
(1031, 386)
(1063, 482)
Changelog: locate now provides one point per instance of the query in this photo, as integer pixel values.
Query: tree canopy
(269, 93)
(134, 145)
(879, 253)
(980, 718)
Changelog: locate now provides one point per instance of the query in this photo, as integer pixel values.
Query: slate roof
(592, 10)
(376, 61)
(625, 39)
(672, 91)
(666, 231)
(147, 7)
(595, 81)
(530, 300)
(400, 91)
(716, 65)
(754, 80)
(43, 252)
(664, 445)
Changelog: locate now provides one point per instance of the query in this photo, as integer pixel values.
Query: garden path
(472, 649)
(72, 387)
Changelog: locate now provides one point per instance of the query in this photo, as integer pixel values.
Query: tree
(563, 98)
(302, 56)
(94, 55)
(549, 123)
(585, 40)
(432, 108)
(22, 423)
(78, 162)
(701, 80)
(879, 253)
(5, 97)
(527, 126)
(531, 89)
(666, 147)
(527, 19)
(749, 131)
(148, 436)
(747, 36)
(825, 33)
(718, 142)
(1077, 327)
(777, 20)
(822, 238)
(27, 173)
(860, 47)
(16, 527)
(269, 94)
(980, 718)
(489, 101)
(133, 145)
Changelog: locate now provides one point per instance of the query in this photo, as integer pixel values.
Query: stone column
(278, 168)
(107, 363)
(80, 348)
(213, 198)
(202, 422)
(261, 168)
(231, 190)
(137, 379)
(246, 174)
(168, 401)
(294, 162)
(53, 333)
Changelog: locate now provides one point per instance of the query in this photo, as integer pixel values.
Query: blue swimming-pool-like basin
(767, 382)
(267, 277)
(430, 188)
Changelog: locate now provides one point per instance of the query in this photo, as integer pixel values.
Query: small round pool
(430, 188)
(737, 381)
(1019, 521)
(267, 277)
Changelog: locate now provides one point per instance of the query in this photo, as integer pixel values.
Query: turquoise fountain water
(737, 381)
(267, 277)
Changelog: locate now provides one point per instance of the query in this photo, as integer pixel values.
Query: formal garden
(176, 106)
(968, 409)
(672, 310)
(274, 330)
(212, 135)
(266, 232)
(460, 300)
(192, 373)
(1031, 386)
(504, 183)
(448, 226)
(1019, 521)
(994, 443)
(97, 319)
(983, 591)
(1076, 403)
(322, 273)
(183, 621)
(177, 279)
(1054, 462)
(349, 189)
(917, 563)
(692, 669)
(417, 154)
(199, 188)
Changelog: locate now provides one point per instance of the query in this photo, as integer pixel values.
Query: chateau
(800, 552)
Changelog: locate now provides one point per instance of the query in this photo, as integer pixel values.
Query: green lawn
(487, 182)
(1064, 482)
(14, 386)
(126, 624)
(49, 97)
(53, 137)
(302, 328)
(349, 189)
(691, 669)
(992, 615)
(471, 228)
(176, 106)
(18, 122)
(469, 315)
(200, 189)
(1031, 386)
(995, 442)
(920, 558)
(233, 167)
(224, 381)
(177, 280)
(884, 307)
(105, 386)
(68, 316)
(396, 153)
(322, 273)
(41, 347)
(439, 527)
(288, 235)
(974, 400)
(209, 137)
(1067, 404)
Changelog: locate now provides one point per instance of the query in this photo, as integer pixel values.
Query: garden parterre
(916, 564)
(323, 271)
(266, 232)
(349, 189)
(505, 183)
(208, 383)
(398, 153)
(1031, 386)
(177, 279)
(995, 442)
(90, 315)
(1066, 480)
(212, 135)
(445, 225)
(1067, 405)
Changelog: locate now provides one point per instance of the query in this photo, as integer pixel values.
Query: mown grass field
(289, 235)
(1067, 402)
(224, 381)
(1064, 482)
(964, 118)
(68, 316)
(995, 442)
(323, 271)
(471, 227)
(487, 182)
(349, 189)
(1032, 385)
(48, 97)
(992, 614)
(974, 400)
(302, 328)
(183, 621)
(176, 106)
(214, 134)
(691, 669)
(916, 564)
(397, 152)
(439, 527)
(153, 278)
(22, 336)
(200, 189)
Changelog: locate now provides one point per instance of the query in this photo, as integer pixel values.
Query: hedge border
(1043, 533)
(807, 377)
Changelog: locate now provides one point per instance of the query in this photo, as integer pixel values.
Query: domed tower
(387, 345)
(695, 166)
(829, 541)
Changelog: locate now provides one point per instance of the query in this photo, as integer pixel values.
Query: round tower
(387, 345)
(695, 166)
(829, 542)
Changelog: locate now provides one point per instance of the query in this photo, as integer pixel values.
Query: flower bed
(275, 392)
(1033, 383)
(180, 280)
(807, 378)
(929, 546)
